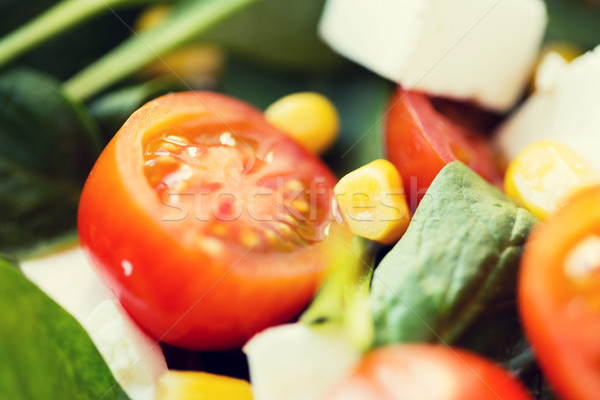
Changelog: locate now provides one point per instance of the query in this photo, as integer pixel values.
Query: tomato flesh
(420, 141)
(208, 223)
(559, 296)
(427, 372)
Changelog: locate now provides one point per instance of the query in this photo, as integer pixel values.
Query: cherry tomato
(427, 372)
(559, 296)
(208, 223)
(420, 141)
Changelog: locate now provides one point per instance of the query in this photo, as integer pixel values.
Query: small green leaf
(112, 110)
(276, 33)
(574, 21)
(45, 353)
(453, 275)
(48, 145)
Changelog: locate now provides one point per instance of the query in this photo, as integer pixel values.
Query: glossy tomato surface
(427, 372)
(559, 296)
(208, 223)
(420, 141)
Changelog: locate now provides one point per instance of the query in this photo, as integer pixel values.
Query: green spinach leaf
(47, 147)
(453, 274)
(45, 353)
(112, 109)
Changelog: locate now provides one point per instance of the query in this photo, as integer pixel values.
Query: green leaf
(48, 145)
(45, 353)
(278, 33)
(343, 300)
(454, 272)
(574, 21)
(359, 96)
(112, 109)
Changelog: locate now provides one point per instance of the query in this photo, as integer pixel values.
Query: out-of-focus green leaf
(575, 21)
(45, 353)
(48, 145)
(278, 33)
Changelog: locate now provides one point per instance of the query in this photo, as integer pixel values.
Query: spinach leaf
(360, 97)
(47, 147)
(574, 21)
(112, 109)
(454, 272)
(45, 353)
(278, 33)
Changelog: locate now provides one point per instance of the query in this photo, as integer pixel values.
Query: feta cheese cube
(481, 50)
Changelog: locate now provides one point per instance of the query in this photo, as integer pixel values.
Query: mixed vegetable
(309, 199)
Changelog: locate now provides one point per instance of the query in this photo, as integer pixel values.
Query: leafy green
(47, 147)
(574, 21)
(112, 110)
(453, 274)
(187, 21)
(45, 353)
(343, 298)
(279, 34)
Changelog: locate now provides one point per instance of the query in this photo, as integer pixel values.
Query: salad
(316, 199)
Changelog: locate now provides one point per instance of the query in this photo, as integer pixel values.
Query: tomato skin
(176, 292)
(562, 326)
(420, 141)
(427, 372)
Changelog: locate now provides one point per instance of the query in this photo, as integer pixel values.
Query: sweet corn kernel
(372, 202)
(544, 175)
(191, 385)
(308, 117)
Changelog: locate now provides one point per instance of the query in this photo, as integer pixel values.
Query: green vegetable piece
(276, 33)
(45, 353)
(187, 21)
(575, 21)
(114, 108)
(456, 265)
(48, 145)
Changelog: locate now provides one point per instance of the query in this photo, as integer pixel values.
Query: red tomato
(559, 296)
(208, 223)
(420, 142)
(427, 372)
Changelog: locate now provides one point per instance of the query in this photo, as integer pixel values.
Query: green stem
(57, 19)
(143, 48)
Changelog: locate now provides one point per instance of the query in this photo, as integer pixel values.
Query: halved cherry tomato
(420, 141)
(427, 372)
(208, 223)
(559, 296)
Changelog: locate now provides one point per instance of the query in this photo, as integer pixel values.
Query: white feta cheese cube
(481, 50)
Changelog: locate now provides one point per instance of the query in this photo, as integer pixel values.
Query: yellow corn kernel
(152, 17)
(308, 117)
(544, 175)
(192, 385)
(372, 202)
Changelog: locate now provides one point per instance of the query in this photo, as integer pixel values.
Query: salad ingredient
(47, 145)
(218, 225)
(372, 202)
(420, 141)
(135, 360)
(191, 385)
(544, 175)
(442, 48)
(308, 117)
(297, 362)
(575, 21)
(186, 22)
(454, 270)
(559, 288)
(38, 338)
(565, 109)
(430, 372)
